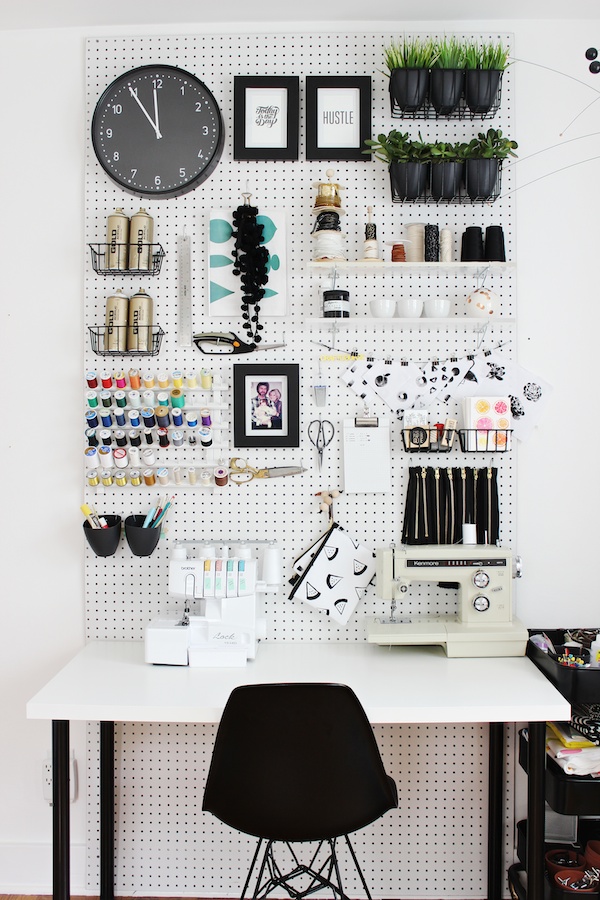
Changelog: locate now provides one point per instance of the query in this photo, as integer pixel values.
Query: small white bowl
(410, 307)
(436, 307)
(383, 308)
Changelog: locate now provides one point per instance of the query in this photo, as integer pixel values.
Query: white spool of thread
(445, 245)
(415, 250)
(469, 533)
(272, 565)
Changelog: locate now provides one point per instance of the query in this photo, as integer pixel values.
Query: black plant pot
(408, 180)
(445, 90)
(408, 90)
(482, 90)
(482, 178)
(446, 179)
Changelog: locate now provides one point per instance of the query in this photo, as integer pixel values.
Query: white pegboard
(123, 592)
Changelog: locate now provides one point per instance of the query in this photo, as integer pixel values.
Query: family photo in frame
(266, 405)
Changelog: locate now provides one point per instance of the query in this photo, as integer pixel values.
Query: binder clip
(366, 420)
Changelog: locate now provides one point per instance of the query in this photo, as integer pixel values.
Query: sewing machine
(484, 625)
(218, 625)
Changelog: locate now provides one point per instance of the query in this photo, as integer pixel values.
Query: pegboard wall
(177, 850)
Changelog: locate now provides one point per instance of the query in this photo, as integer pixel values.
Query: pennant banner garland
(404, 385)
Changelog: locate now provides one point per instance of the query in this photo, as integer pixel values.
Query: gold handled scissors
(320, 433)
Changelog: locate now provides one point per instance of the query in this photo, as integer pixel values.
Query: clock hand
(156, 125)
(143, 109)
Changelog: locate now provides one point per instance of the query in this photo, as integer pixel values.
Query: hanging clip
(366, 420)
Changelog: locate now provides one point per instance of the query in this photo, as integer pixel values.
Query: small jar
(336, 304)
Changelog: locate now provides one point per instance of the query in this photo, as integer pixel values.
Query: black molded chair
(295, 763)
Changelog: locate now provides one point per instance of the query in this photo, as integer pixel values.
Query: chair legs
(321, 872)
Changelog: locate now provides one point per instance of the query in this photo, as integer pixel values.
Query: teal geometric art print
(224, 288)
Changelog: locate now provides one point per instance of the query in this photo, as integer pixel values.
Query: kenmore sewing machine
(483, 575)
(219, 625)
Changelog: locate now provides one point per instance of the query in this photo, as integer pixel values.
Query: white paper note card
(367, 458)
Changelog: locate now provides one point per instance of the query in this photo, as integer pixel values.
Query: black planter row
(473, 181)
(445, 93)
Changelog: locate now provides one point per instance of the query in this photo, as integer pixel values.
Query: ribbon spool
(221, 476)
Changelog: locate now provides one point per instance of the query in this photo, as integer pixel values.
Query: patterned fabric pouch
(333, 574)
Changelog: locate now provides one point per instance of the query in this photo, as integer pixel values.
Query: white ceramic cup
(436, 307)
(410, 307)
(383, 308)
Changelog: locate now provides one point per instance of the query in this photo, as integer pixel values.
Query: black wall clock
(157, 131)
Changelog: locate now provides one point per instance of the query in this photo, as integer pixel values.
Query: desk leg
(536, 795)
(495, 810)
(107, 810)
(61, 834)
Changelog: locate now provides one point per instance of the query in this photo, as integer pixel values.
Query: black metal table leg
(61, 833)
(495, 810)
(107, 810)
(536, 793)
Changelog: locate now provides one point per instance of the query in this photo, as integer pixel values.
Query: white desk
(109, 682)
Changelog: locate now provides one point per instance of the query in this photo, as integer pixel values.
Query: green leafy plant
(410, 53)
(398, 147)
(490, 145)
(450, 54)
(441, 151)
(485, 56)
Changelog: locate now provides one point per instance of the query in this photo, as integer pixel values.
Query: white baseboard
(27, 869)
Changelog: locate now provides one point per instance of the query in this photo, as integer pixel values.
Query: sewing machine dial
(481, 603)
(481, 579)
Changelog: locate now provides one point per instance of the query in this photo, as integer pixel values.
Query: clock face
(157, 131)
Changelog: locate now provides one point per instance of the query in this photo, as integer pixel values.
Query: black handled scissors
(222, 342)
(320, 433)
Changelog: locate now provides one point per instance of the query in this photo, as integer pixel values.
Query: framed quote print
(265, 114)
(338, 116)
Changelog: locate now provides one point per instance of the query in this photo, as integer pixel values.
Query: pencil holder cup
(104, 541)
(142, 541)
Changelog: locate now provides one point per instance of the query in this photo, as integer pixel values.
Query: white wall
(41, 225)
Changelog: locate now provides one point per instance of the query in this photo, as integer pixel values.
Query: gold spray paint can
(139, 332)
(117, 239)
(116, 322)
(141, 233)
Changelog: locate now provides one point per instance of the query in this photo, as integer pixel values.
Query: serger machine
(482, 574)
(218, 625)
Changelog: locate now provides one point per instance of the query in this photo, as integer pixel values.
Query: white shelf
(466, 322)
(381, 266)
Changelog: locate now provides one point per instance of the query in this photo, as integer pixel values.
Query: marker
(92, 519)
(148, 518)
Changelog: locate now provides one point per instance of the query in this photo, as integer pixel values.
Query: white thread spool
(415, 250)
(272, 565)
(469, 533)
(445, 245)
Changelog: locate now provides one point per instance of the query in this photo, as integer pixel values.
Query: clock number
(198, 106)
(157, 180)
(157, 83)
(117, 109)
(205, 130)
(116, 155)
(182, 173)
(133, 173)
(108, 132)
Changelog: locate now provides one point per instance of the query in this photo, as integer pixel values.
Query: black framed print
(266, 405)
(338, 116)
(266, 117)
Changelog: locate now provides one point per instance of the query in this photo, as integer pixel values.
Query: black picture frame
(278, 99)
(355, 99)
(266, 424)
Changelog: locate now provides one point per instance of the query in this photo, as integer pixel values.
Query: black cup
(104, 541)
(142, 541)
(494, 244)
(472, 244)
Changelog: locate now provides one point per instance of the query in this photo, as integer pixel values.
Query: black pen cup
(472, 244)
(104, 541)
(142, 541)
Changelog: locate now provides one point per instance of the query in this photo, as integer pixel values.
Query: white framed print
(265, 114)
